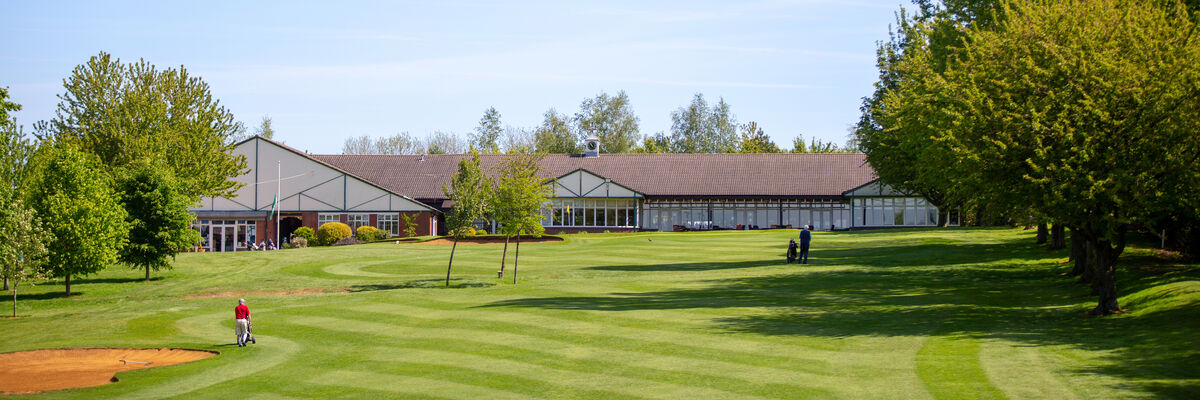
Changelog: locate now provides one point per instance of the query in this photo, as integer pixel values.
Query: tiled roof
(749, 175)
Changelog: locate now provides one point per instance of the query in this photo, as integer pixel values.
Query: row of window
(226, 235)
(591, 212)
(386, 222)
(898, 211)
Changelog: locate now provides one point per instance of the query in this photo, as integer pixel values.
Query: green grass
(909, 314)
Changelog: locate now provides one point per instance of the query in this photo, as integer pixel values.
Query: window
(589, 212)
(389, 223)
(323, 218)
(357, 220)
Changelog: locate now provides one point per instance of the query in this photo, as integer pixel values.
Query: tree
(610, 119)
(486, 137)
(658, 143)
(469, 190)
(400, 143)
(15, 150)
(754, 140)
(893, 141)
(1079, 110)
(158, 218)
(517, 140)
(73, 195)
(700, 129)
(555, 136)
(22, 243)
(125, 113)
(518, 201)
(410, 224)
(264, 129)
(444, 143)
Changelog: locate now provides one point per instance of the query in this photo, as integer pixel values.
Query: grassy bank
(963, 313)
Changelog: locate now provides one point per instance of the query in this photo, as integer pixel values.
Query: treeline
(110, 178)
(1081, 114)
(695, 128)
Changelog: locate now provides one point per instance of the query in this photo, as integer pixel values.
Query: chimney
(591, 147)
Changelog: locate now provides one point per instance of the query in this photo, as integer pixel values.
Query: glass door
(229, 242)
(218, 241)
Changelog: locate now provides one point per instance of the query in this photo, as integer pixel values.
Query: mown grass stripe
(949, 366)
(406, 385)
(659, 336)
(633, 387)
(585, 353)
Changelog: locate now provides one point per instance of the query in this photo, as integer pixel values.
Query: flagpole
(278, 179)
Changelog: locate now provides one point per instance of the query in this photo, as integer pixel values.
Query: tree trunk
(455, 246)
(1042, 233)
(1057, 241)
(1089, 265)
(1078, 254)
(1105, 275)
(68, 283)
(517, 258)
(147, 272)
(943, 219)
(979, 216)
(5, 283)
(14, 289)
(504, 257)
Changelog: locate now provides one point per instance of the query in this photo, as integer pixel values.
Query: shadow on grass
(57, 294)
(998, 291)
(418, 284)
(922, 253)
(86, 281)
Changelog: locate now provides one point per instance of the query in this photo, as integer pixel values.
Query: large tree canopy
(611, 119)
(1084, 111)
(158, 217)
(127, 112)
(73, 195)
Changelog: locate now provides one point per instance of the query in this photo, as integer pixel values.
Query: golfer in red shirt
(241, 326)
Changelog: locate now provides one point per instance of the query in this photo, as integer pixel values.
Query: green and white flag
(274, 207)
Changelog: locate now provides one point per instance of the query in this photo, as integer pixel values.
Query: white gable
(582, 183)
(875, 188)
(303, 184)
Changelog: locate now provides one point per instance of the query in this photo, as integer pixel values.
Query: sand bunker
(492, 240)
(38, 370)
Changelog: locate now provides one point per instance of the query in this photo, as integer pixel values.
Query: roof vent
(591, 147)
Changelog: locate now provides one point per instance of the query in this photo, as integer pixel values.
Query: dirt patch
(492, 240)
(56, 369)
(260, 293)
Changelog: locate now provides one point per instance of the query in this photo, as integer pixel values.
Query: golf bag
(249, 336)
(791, 251)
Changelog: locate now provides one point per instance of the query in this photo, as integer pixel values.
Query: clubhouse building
(590, 192)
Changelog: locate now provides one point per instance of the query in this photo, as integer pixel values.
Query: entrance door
(218, 238)
(229, 240)
(288, 225)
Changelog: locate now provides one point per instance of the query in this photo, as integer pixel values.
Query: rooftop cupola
(591, 147)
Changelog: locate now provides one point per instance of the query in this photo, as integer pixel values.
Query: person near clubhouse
(805, 238)
(241, 315)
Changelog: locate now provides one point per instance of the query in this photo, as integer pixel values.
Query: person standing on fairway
(241, 327)
(805, 237)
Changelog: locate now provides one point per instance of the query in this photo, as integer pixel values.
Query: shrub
(348, 240)
(370, 234)
(481, 232)
(298, 242)
(331, 232)
(306, 233)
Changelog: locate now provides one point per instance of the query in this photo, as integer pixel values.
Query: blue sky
(325, 71)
